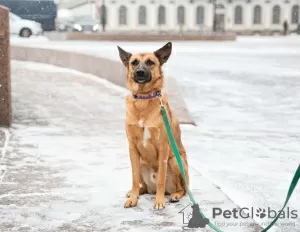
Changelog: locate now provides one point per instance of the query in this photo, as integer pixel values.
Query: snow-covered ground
(244, 97)
(65, 162)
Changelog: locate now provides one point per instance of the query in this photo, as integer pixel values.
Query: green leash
(180, 164)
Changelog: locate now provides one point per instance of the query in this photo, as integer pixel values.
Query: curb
(110, 70)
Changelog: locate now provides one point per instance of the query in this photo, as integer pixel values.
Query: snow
(67, 160)
(244, 97)
(3, 152)
(22, 40)
(247, 109)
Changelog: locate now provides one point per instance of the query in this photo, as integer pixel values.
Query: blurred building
(241, 16)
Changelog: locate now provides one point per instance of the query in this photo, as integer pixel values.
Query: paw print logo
(261, 213)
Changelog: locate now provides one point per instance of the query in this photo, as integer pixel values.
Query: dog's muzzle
(142, 76)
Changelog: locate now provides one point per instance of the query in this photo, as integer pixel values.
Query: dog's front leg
(162, 175)
(135, 168)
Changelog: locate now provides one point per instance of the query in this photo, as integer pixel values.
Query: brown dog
(154, 166)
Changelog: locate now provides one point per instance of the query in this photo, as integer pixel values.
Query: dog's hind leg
(175, 197)
(178, 181)
(143, 188)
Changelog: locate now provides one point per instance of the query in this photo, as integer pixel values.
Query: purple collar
(153, 95)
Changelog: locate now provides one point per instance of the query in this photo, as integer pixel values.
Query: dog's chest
(144, 132)
(146, 135)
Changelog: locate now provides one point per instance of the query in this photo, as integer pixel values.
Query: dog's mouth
(141, 81)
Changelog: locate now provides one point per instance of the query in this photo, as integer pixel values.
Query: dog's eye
(135, 62)
(149, 62)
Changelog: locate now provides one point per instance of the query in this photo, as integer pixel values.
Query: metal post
(103, 15)
(214, 15)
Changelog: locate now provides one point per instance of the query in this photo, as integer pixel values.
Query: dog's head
(144, 70)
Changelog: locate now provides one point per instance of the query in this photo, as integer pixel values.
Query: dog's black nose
(142, 76)
(140, 73)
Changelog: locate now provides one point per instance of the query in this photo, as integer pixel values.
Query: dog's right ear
(124, 56)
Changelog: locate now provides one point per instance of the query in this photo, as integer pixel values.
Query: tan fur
(154, 167)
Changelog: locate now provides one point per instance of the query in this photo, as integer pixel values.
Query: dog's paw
(131, 202)
(143, 190)
(159, 203)
(128, 194)
(175, 197)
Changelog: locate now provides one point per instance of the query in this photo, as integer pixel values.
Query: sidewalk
(66, 166)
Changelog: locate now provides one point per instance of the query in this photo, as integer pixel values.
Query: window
(200, 15)
(161, 15)
(257, 15)
(238, 15)
(276, 14)
(32, 8)
(122, 15)
(220, 6)
(295, 14)
(180, 15)
(142, 15)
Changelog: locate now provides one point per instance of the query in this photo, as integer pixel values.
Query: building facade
(240, 16)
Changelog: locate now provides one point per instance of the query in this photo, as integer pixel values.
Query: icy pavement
(244, 96)
(66, 164)
(245, 101)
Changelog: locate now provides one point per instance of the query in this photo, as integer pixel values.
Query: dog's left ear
(164, 53)
(124, 56)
